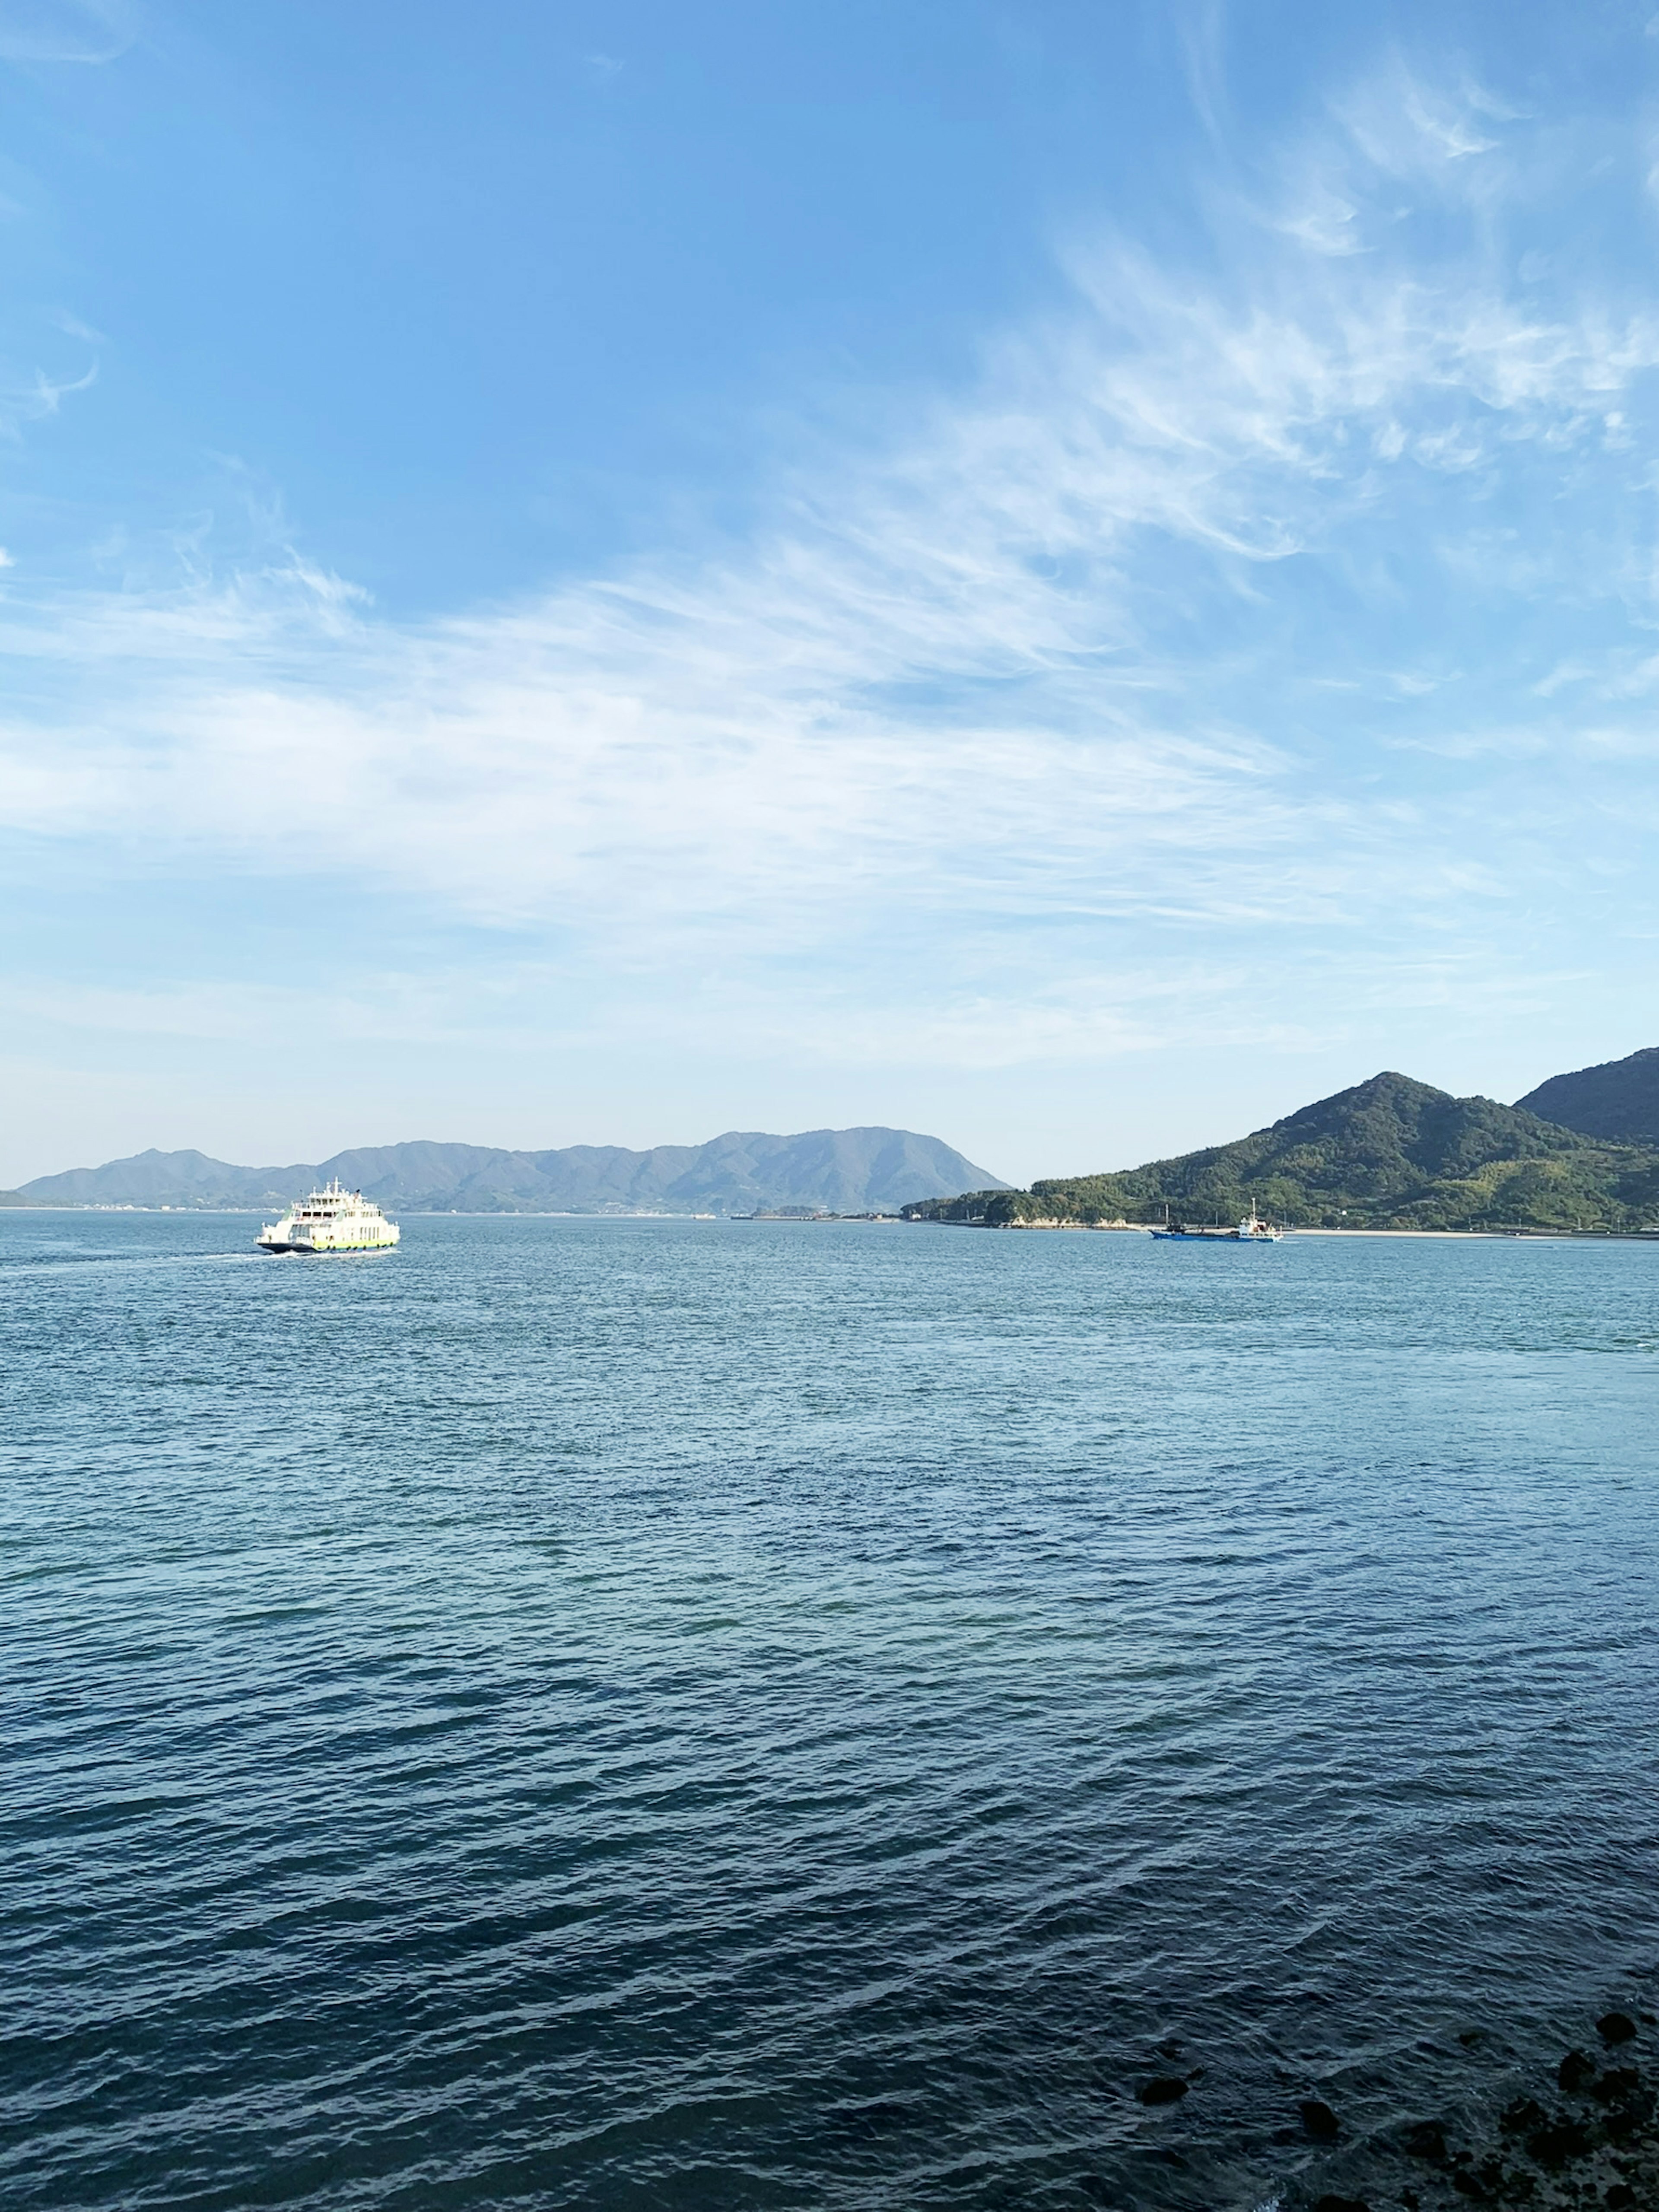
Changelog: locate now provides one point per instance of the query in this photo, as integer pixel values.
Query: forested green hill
(1618, 1100)
(1389, 1153)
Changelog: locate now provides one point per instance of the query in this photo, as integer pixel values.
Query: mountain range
(1582, 1150)
(839, 1170)
(1391, 1153)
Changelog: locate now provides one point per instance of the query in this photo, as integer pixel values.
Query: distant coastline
(865, 1170)
(1390, 1155)
(1523, 1232)
(800, 1220)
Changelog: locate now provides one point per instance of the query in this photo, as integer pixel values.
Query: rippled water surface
(648, 1714)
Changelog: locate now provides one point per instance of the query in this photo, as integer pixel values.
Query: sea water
(663, 1714)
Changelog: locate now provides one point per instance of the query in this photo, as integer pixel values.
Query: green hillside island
(1618, 1100)
(1388, 1154)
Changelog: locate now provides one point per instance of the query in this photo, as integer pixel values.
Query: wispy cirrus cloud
(1050, 658)
(65, 30)
(38, 397)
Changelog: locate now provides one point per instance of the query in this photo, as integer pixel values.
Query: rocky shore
(1589, 2137)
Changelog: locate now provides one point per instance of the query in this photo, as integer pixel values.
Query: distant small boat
(332, 1220)
(1251, 1230)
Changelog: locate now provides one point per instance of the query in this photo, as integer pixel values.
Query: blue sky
(1072, 576)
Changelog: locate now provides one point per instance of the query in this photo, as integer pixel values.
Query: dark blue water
(639, 1714)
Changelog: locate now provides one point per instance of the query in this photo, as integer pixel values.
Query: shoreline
(1523, 1233)
(1590, 2138)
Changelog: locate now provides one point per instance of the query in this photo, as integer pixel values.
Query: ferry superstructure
(332, 1220)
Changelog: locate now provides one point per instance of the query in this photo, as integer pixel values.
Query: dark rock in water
(1616, 2027)
(1172, 2047)
(1427, 2140)
(1162, 2089)
(1520, 2118)
(1341, 2204)
(1410, 2199)
(1629, 2115)
(1575, 2072)
(1616, 2085)
(1469, 2185)
(1320, 2120)
(1468, 2037)
(1554, 2146)
(1620, 2198)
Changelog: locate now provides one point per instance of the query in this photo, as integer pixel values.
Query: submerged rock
(1594, 2149)
(1628, 2117)
(1488, 2183)
(1616, 2086)
(1562, 2140)
(1521, 2116)
(1163, 2090)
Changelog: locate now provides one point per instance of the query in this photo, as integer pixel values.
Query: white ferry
(332, 1220)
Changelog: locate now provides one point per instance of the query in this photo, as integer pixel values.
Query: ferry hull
(326, 1251)
(1251, 1231)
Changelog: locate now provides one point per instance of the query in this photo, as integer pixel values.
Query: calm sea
(647, 1714)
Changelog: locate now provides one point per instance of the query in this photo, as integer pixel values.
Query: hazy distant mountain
(843, 1170)
(1389, 1153)
(1619, 1099)
(167, 1179)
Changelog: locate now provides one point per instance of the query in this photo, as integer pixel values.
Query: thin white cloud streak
(40, 398)
(65, 30)
(964, 680)
(1098, 1019)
